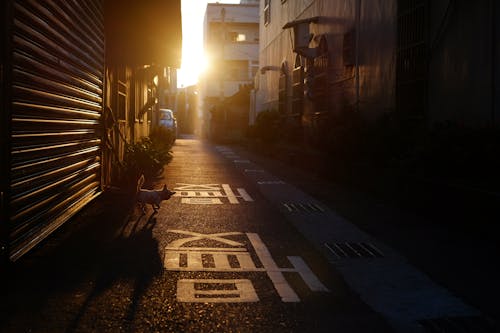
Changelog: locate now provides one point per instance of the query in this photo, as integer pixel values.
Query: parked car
(167, 119)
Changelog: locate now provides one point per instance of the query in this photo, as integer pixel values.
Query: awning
(143, 32)
(294, 23)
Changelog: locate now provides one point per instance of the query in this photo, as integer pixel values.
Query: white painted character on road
(231, 256)
(210, 194)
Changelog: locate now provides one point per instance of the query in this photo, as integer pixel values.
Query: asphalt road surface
(236, 249)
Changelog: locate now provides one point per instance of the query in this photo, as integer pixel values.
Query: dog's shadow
(148, 225)
(134, 256)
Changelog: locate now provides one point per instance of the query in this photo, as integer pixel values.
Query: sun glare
(194, 61)
(194, 64)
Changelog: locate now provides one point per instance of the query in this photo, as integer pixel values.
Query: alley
(217, 257)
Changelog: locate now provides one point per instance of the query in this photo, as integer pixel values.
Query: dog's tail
(140, 182)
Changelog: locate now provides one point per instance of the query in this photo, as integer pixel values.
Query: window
(121, 87)
(267, 12)
(236, 37)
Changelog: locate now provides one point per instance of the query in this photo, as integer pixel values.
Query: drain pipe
(356, 56)
(493, 59)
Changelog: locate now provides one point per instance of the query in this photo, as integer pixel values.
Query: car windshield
(166, 115)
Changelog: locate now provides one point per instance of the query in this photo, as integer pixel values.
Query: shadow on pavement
(105, 245)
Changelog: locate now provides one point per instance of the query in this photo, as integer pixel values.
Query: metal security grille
(412, 58)
(56, 102)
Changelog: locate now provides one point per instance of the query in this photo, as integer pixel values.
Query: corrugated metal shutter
(57, 91)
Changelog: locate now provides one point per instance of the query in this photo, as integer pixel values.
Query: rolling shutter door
(56, 106)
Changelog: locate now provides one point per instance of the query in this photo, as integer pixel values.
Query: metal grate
(354, 250)
(473, 324)
(303, 208)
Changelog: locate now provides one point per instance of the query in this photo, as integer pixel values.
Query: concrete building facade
(231, 42)
(427, 62)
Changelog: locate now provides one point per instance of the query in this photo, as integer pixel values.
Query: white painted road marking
(241, 290)
(254, 170)
(179, 257)
(230, 194)
(282, 287)
(198, 236)
(244, 195)
(201, 201)
(209, 194)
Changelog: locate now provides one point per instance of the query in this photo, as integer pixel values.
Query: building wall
(376, 51)
(454, 78)
(231, 41)
(462, 75)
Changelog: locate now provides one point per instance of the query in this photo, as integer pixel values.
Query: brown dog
(152, 197)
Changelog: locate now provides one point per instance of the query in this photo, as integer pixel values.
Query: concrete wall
(377, 38)
(463, 66)
(463, 71)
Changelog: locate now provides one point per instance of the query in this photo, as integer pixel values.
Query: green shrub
(147, 157)
(267, 125)
(160, 136)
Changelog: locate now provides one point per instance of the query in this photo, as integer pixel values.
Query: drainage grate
(303, 208)
(458, 324)
(354, 250)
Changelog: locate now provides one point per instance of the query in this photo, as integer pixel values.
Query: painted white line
(189, 194)
(176, 268)
(230, 194)
(307, 275)
(197, 187)
(244, 194)
(201, 201)
(240, 291)
(253, 170)
(221, 259)
(223, 148)
(230, 250)
(218, 237)
(195, 261)
(271, 182)
(280, 284)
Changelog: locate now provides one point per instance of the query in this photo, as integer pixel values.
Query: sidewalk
(451, 240)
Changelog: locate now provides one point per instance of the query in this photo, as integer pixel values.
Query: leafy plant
(162, 136)
(267, 125)
(148, 156)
